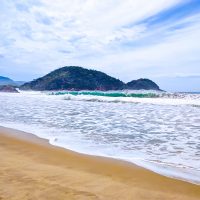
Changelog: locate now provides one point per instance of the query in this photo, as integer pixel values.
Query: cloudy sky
(128, 39)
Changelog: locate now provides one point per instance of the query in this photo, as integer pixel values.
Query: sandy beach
(30, 168)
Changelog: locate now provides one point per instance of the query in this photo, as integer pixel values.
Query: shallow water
(161, 134)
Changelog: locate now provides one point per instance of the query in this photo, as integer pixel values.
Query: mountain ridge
(5, 80)
(8, 81)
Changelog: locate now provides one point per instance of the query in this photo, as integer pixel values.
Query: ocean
(156, 130)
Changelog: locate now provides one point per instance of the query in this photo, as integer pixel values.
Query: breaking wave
(152, 97)
(107, 94)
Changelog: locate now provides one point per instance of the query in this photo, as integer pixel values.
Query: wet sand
(30, 168)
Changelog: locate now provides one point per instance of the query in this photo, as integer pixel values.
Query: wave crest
(131, 97)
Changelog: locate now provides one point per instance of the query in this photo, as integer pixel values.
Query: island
(78, 78)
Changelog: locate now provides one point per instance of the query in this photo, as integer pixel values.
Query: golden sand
(30, 168)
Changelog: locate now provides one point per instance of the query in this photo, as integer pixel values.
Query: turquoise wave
(106, 94)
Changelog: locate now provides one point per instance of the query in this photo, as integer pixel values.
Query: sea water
(156, 130)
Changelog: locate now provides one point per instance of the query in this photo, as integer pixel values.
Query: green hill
(75, 78)
(142, 83)
(79, 78)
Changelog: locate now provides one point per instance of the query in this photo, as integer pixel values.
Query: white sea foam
(161, 134)
(163, 101)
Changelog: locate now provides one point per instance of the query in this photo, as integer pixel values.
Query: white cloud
(97, 22)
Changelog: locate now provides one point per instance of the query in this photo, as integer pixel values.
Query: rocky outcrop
(8, 88)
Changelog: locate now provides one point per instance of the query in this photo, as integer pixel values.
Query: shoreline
(153, 167)
(46, 170)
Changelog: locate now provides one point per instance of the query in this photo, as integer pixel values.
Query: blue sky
(157, 39)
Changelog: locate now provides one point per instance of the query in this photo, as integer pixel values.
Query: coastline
(32, 168)
(90, 131)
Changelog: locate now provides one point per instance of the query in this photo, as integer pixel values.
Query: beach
(31, 168)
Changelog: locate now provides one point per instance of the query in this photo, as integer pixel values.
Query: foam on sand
(47, 172)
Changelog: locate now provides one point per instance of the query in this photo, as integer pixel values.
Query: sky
(156, 39)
